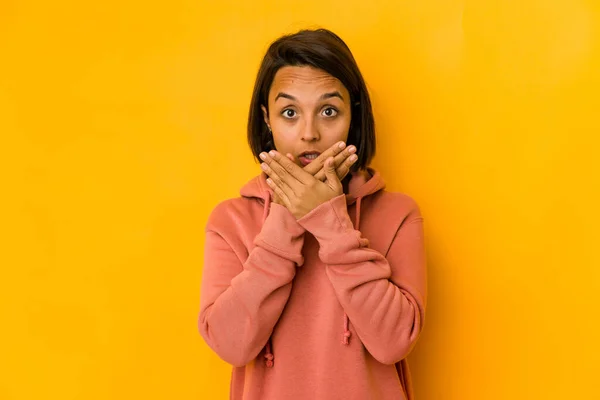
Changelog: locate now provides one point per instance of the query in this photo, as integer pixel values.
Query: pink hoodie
(325, 307)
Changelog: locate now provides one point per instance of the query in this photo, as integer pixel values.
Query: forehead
(295, 80)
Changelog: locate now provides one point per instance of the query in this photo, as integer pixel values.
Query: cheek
(284, 137)
(337, 130)
(284, 133)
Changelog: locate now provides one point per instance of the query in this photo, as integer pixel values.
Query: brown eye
(330, 112)
(289, 113)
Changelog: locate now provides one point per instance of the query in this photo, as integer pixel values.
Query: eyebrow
(325, 96)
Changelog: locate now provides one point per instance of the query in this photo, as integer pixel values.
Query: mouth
(308, 156)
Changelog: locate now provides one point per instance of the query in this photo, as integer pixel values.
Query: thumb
(332, 179)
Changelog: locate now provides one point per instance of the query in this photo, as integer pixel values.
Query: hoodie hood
(361, 184)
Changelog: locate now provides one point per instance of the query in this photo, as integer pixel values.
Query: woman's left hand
(299, 191)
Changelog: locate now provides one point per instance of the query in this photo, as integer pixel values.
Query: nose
(311, 131)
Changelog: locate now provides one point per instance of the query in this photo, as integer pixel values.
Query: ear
(265, 115)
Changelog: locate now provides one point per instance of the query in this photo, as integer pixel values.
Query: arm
(240, 302)
(383, 298)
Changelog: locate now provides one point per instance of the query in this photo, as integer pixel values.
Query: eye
(288, 113)
(330, 112)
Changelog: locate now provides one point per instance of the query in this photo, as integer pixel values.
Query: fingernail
(263, 156)
(342, 145)
(351, 149)
(272, 153)
(353, 157)
(263, 167)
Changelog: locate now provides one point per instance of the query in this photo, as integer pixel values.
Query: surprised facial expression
(308, 111)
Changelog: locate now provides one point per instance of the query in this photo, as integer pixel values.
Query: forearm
(384, 298)
(242, 302)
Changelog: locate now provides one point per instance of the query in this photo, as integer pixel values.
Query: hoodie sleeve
(383, 296)
(241, 301)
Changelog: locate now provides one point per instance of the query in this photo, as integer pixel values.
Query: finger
(276, 198)
(291, 157)
(332, 179)
(276, 178)
(278, 193)
(338, 161)
(344, 169)
(317, 164)
(291, 173)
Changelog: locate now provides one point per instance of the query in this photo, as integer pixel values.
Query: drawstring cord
(347, 333)
(357, 212)
(269, 357)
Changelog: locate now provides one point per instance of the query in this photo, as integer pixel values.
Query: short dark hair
(321, 49)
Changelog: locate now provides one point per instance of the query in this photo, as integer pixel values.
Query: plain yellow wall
(123, 124)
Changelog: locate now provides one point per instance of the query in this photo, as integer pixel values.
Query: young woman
(314, 283)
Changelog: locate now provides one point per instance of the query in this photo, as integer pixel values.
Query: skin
(299, 191)
(309, 110)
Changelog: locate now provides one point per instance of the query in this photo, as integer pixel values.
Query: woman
(314, 282)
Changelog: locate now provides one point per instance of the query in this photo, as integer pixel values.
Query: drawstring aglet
(269, 361)
(346, 338)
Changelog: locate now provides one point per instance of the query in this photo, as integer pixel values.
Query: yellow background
(123, 124)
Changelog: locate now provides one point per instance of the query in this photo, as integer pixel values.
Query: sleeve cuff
(282, 235)
(332, 227)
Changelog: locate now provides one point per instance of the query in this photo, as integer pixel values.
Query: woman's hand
(343, 159)
(299, 191)
(342, 156)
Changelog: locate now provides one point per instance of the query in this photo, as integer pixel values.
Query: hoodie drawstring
(347, 333)
(269, 357)
(357, 212)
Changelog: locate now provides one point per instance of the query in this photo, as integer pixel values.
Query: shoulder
(232, 213)
(399, 204)
(399, 199)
